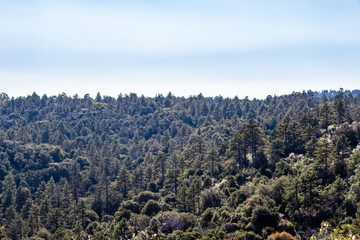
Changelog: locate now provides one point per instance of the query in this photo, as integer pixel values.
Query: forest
(167, 167)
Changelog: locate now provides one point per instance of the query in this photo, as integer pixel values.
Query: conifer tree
(54, 219)
(44, 210)
(309, 190)
(22, 194)
(324, 158)
(254, 136)
(160, 163)
(181, 199)
(34, 221)
(75, 181)
(212, 157)
(326, 116)
(7, 196)
(196, 149)
(172, 180)
(238, 148)
(342, 150)
(193, 196)
(106, 185)
(122, 182)
(340, 111)
(137, 180)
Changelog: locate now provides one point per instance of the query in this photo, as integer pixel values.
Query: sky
(229, 47)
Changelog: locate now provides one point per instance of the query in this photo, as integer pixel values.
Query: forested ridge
(167, 167)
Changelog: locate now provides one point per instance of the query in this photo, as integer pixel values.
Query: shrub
(282, 236)
(236, 198)
(210, 198)
(170, 221)
(124, 213)
(139, 221)
(262, 217)
(145, 196)
(248, 236)
(151, 208)
(131, 206)
(92, 215)
(93, 227)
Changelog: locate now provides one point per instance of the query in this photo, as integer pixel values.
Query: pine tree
(340, 111)
(25, 211)
(13, 224)
(308, 127)
(324, 158)
(122, 182)
(276, 150)
(137, 180)
(75, 181)
(66, 202)
(193, 196)
(326, 116)
(34, 221)
(160, 163)
(212, 158)
(7, 196)
(44, 210)
(287, 132)
(22, 194)
(54, 219)
(81, 213)
(105, 183)
(196, 149)
(309, 192)
(181, 199)
(172, 180)
(310, 147)
(238, 148)
(342, 150)
(97, 204)
(254, 136)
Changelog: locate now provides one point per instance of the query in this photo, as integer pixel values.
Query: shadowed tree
(122, 182)
(238, 148)
(340, 111)
(254, 137)
(324, 158)
(325, 116)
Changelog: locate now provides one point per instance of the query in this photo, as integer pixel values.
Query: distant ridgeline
(333, 93)
(168, 167)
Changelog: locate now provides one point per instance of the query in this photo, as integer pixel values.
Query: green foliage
(144, 197)
(262, 217)
(179, 168)
(210, 198)
(122, 230)
(151, 208)
(131, 206)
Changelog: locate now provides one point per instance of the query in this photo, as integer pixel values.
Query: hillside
(168, 167)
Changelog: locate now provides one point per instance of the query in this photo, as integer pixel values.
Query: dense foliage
(180, 168)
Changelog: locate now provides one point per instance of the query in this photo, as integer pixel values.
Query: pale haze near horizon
(229, 48)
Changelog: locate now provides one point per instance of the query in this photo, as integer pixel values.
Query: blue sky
(230, 47)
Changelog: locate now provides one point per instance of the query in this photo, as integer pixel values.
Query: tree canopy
(180, 168)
